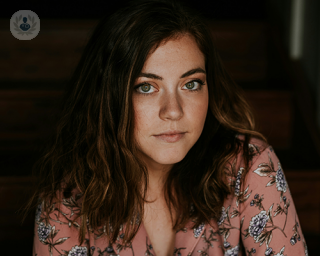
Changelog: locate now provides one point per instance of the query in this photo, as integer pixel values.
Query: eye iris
(145, 87)
(188, 85)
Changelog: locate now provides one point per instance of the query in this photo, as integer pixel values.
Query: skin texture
(168, 104)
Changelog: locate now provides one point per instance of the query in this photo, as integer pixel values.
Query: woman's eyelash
(201, 83)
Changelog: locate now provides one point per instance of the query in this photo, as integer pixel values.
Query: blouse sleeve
(59, 235)
(270, 225)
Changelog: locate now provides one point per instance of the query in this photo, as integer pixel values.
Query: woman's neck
(156, 184)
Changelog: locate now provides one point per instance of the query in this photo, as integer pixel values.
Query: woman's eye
(192, 84)
(145, 87)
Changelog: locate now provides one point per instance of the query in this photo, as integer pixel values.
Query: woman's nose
(171, 108)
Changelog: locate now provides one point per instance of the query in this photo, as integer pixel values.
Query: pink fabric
(260, 216)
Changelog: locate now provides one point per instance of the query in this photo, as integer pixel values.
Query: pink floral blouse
(259, 218)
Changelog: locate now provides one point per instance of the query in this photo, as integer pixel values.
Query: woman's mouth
(170, 138)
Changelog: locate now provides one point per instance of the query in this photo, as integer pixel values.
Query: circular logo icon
(25, 25)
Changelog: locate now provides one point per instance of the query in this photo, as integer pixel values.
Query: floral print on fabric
(197, 231)
(257, 218)
(78, 251)
(257, 224)
(223, 216)
(38, 212)
(52, 237)
(44, 231)
(267, 170)
(237, 185)
(233, 251)
(280, 180)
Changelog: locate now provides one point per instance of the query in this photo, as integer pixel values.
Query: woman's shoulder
(57, 224)
(66, 202)
(263, 170)
(261, 206)
(63, 208)
(236, 169)
(256, 147)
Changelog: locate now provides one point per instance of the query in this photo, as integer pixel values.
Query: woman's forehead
(177, 52)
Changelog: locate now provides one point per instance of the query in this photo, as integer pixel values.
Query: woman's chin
(167, 158)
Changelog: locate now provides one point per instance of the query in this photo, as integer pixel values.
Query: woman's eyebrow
(193, 71)
(188, 73)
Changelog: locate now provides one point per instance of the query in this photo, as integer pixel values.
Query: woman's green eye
(145, 87)
(190, 83)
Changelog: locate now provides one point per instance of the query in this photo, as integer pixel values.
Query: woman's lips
(170, 138)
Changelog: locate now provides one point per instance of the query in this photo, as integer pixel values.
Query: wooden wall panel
(26, 117)
(14, 192)
(242, 48)
(54, 53)
(273, 111)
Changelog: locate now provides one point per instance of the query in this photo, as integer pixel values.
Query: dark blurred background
(271, 48)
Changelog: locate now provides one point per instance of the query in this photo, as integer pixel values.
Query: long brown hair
(93, 149)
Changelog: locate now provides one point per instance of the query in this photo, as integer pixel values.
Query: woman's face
(172, 99)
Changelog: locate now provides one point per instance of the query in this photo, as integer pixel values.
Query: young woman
(156, 153)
